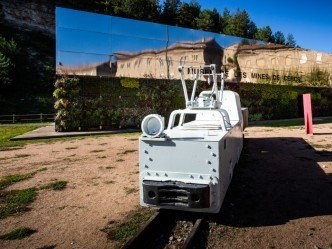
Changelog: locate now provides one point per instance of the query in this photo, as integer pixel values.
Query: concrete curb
(47, 132)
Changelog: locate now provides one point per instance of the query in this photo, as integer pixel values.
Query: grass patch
(132, 139)
(285, 123)
(21, 155)
(130, 227)
(109, 182)
(126, 152)
(41, 169)
(16, 201)
(120, 160)
(110, 167)
(321, 146)
(129, 191)
(11, 179)
(71, 148)
(19, 233)
(96, 151)
(58, 185)
(101, 156)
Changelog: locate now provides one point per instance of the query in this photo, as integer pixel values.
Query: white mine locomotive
(189, 165)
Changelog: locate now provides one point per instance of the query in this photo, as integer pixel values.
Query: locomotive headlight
(153, 125)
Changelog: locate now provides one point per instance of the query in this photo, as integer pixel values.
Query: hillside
(30, 27)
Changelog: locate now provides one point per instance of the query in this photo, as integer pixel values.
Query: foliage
(57, 185)
(264, 34)
(7, 56)
(279, 38)
(18, 233)
(130, 226)
(11, 179)
(26, 71)
(290, 42)
(15, 201)
(141, 9)
(68, 111)
(105, 103)
(318, 77)
(129, 82)
(208, 20)
(170, 11)
(239, 24)
(188, 14)
(6, 67)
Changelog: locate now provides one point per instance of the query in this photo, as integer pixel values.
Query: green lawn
(11, 130)
(287, 123)
(8, 131)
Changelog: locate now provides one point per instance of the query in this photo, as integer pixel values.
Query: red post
(307, 113)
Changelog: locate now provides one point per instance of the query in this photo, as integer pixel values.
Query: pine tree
(264, 34)
(279, 38)
(208, 20)
(239, 24)
(290, 41)
(188, 14)
(170, 12)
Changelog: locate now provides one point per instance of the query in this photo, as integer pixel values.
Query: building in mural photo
(139, 53)
(163, 64)
(273, 63)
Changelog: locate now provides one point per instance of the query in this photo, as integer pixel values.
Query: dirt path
(102, 175)
(280, 197)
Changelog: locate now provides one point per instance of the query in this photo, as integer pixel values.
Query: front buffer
(183, 174)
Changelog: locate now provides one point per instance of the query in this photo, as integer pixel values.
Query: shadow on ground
(277, 180)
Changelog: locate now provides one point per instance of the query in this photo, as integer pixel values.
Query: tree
(290, 41)
(224, 20)
(141, 9)
(208, 20)
(171, 10)
(188, 14)
(239, 24)
(112, 7)
(8, 50)
(279, 38)
(264, 34)
(6, 67)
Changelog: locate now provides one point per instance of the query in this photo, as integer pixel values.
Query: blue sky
(84, 38)
(309, 21)
(87, 38)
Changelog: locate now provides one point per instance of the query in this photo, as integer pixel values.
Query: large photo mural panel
(103, 45)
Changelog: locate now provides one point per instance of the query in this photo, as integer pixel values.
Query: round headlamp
(153, 125)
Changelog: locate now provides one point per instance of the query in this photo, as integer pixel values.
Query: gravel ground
(280, 197)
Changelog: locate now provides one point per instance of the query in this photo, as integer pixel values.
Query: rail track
(167, 229)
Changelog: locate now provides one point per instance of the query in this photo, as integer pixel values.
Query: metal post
(41, 117)
(13, 118)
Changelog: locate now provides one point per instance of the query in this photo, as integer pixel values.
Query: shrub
(94, 102)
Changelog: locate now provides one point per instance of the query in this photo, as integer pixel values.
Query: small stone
(316, 247)
(179, 239)
(171, 238)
